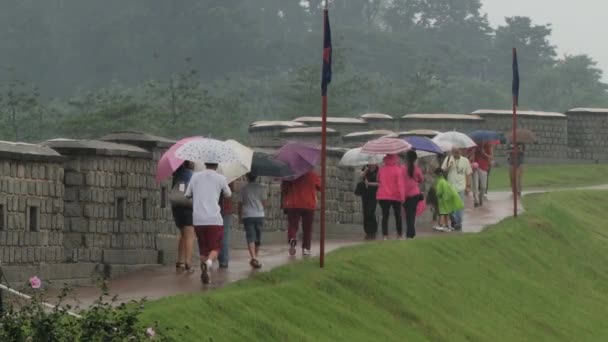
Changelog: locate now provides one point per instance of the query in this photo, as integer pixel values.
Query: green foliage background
(80, 68)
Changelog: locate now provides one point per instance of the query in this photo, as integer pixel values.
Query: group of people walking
(202, 206)
(396, 186)
(392, 186)
(202, 203)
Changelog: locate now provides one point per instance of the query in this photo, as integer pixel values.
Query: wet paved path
(163, 281)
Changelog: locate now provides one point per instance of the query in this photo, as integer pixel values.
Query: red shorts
(209, 239)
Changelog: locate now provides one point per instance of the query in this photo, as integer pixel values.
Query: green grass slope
(541, 277)
(552, 176)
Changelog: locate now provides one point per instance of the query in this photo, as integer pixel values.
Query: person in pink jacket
(391, 193)
(413, 177)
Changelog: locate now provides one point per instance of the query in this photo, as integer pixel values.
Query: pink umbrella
(386, 146)
(168, 163)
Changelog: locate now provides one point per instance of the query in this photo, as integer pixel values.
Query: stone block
(73, 178)
(77, 224)
(72, 209)
(85, 195)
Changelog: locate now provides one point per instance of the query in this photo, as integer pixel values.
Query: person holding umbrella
(391, 193)
(205, 189)
(182, 214)
(459, 171)
(299, 201)
(412, 179)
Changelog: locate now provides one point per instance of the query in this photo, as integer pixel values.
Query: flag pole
(514, 140)
(323, 155)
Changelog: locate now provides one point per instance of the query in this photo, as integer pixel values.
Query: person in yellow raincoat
(448, 200)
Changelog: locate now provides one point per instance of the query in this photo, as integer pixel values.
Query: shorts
(253, 229)
(209, 238)
(182, 216)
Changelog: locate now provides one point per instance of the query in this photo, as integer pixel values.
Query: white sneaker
(440, 229)
(306, 252)
(385, 238)
(209, 263)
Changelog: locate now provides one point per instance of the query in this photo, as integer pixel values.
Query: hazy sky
(578, 26)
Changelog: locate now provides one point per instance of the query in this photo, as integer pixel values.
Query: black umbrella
(264, 164)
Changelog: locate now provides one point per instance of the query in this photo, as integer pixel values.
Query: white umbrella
(207, 150)
(457, 139)
(235, 170)
(355, 157)
(444, 146)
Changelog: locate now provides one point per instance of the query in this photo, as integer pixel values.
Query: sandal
(188, 268)
(255, 263)
(179, 266)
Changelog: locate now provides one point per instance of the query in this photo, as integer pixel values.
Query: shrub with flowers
(32, 320)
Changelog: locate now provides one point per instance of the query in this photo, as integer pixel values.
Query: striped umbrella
(386, 146)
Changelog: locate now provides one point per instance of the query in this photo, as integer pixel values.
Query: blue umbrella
(487, 136)
(420, 143)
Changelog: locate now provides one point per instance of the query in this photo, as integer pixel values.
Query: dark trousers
(386, 208)
(370, 225)
(294, 216)
(411, 204)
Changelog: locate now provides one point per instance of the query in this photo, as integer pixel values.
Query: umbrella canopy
(355, 157)
(386, 146)
(236, 169)
(301, 158)
(524, 136)
(483, 136)
(169, 162)
(457, 139)
(425, 144)
(207, 150)
(266, 165)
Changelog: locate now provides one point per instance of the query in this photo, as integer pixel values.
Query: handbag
(177, 198)
(360, 188)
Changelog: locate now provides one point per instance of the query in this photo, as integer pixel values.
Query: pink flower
(35, 282)
(150, 332)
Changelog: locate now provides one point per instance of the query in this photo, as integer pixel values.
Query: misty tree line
(76, 68)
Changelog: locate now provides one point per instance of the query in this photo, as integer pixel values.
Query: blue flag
(515, 85)
(326, 74)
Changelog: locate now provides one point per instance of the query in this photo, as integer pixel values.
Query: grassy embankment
(543, 276)
(552, 176)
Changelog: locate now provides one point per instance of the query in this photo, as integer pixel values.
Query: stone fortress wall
(583, 143)
(74, 210)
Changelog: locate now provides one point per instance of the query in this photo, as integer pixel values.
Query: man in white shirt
(205, 188)
(459, 173)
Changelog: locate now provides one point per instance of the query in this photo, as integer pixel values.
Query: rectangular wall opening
(2, 216)
(120, 208)
(33, 218)
(144, 208)
(163, 197)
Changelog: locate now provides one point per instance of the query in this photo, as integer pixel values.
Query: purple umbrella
(301, 158)
(420, 143)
